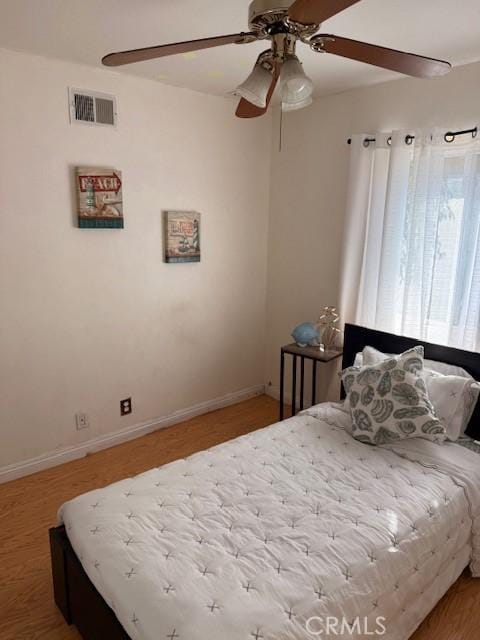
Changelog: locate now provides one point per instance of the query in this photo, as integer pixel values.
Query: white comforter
(289, 524)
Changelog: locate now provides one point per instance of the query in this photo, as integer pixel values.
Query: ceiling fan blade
(149, 53)
(317, 11)
(407, 63)
(246, 109)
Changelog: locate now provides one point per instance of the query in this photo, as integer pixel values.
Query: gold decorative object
(327, 328)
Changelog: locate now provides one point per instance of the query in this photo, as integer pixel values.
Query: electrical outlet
(81, 420)
(125, 406)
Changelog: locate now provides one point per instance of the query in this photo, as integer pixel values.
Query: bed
(270, 534)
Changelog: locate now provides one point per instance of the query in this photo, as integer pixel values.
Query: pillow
(374, 356)
(453, 395)
(472, 395)
(389, 401)
(454, 400)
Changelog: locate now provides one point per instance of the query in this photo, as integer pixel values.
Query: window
(420, 271)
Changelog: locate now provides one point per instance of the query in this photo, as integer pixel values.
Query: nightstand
(304, 353)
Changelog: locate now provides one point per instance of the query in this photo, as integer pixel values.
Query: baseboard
(274, 392)
(53, 459)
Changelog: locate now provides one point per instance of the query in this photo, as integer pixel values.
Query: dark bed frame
(75, 595)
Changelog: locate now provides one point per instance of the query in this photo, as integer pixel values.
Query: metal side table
(304, 353)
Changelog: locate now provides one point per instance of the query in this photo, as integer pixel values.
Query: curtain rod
(448, 137)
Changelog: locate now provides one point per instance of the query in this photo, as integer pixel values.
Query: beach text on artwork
(100, 199)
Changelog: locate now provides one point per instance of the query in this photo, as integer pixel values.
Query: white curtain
(411, 261)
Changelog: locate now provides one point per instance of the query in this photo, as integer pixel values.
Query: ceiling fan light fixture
(291, 105)
(297, 88)
(256, 86)
(284, 23)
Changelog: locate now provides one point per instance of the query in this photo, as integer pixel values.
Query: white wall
(309, 180)
(88, 317)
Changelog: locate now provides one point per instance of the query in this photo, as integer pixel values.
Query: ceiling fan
(284, 23)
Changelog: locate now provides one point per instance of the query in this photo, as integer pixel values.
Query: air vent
(90, 107)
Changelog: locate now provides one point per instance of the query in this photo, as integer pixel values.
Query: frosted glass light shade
(296, 86)
(289, 103)
(256, 86)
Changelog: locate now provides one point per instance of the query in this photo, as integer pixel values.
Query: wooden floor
(28, 508)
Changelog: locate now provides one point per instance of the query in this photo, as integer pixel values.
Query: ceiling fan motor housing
(267, 17)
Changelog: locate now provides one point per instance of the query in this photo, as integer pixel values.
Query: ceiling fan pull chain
(280, 136)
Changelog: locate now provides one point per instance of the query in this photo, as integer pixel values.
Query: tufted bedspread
(295, 522)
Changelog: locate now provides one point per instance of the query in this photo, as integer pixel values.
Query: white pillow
(374, 356)
(454, 400)
(358, 359)
(453, 395)
(446, 369)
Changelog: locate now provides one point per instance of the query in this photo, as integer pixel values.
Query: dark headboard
(356, 338)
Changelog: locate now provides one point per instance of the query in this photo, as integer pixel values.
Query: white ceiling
(83, 31)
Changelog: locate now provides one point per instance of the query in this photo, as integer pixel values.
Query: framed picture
(181, 230)
(99, 197)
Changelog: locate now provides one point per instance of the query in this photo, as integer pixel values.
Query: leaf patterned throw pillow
(389, 401)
